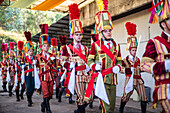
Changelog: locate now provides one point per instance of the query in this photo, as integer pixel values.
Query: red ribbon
(30, 70)
(156, 5)
(82, 56)
(107, 51)
(26, 57)
(91, 83)
(78, 68)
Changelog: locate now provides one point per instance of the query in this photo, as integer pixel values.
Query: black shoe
(143, 106)
(71, 101)
(91, 105)
(122, 105)
(48, 110)
(76, 111)
(81, 109)
(18, 100)
(43, 107)
(29, 99)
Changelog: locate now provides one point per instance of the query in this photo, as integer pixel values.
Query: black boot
(10, 90)
(81, 109)
(70, 99)
(17, 95)
(122, 105)
(59, 96)
(57, 91)
(143, 106)
(29, 99)
(4, 86)
(21, 95)
(43, 106)
(91, 105)
(48, 110)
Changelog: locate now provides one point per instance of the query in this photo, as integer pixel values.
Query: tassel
(105, 2)
(100, 5)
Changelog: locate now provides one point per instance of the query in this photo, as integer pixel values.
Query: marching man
(131, 65)
(156, 58)
(74, 58)
(19, 75)
(54, 52)
(29, 61)
(46, 63)
(63, 72)
(11, 68)
(105, 59)
(4, 65)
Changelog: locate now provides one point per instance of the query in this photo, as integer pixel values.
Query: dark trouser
(29, 84)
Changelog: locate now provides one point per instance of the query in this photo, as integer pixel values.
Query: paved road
(9, 105)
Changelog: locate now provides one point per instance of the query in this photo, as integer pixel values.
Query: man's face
(133, 52)
(77, 37)
(11, 56)
(31, 52)
(166, 26)
(107, 33)
(45, 47)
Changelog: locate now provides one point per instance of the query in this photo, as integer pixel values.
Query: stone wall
(116, 7)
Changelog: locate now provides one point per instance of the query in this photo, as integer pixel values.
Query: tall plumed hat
(54, 45)
(62, 39)
(131, 40)
(20, 47)
(75, 23)
(4, 50)
(160, 9)
(11, 51)
(44, 38)
(29, 44)
(103, 17)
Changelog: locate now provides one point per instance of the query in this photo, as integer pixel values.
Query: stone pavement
(9, 105)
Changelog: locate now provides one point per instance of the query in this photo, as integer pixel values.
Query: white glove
(98, 67)
(22, 66)
(72, 65)
(15, 69)
(167, 65)
(132, 69)
(34, 62)
(116, 69)
(52, 58)
(87, 68)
